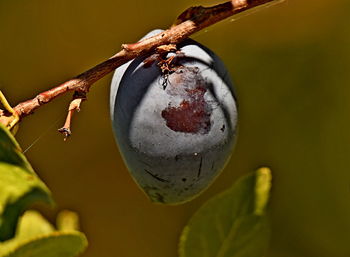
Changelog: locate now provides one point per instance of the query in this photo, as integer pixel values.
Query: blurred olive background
(290, 65)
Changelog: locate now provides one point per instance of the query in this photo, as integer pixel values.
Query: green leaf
(35, 237)
(30, 225)
(233, 223)
(61, 244)
(10, 151)
(19, 185)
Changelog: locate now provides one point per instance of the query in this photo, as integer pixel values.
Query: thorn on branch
(74, 105)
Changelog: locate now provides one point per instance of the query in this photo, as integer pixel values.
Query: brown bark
(189, 22)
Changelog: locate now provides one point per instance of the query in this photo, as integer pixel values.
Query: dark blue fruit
(175, 125)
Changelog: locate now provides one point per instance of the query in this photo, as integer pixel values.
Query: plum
(175, 127)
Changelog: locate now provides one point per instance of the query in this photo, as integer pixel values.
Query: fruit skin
(175, 137)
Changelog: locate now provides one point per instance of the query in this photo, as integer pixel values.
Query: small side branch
(74, 105)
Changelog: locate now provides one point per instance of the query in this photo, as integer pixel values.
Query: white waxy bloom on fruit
(175, 129)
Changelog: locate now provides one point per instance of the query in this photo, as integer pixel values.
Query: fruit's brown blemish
(192, 115)
(189, 117)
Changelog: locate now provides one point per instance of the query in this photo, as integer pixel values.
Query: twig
(189, 22)
(74, 105)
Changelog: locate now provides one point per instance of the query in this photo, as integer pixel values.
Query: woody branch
(190, 21)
